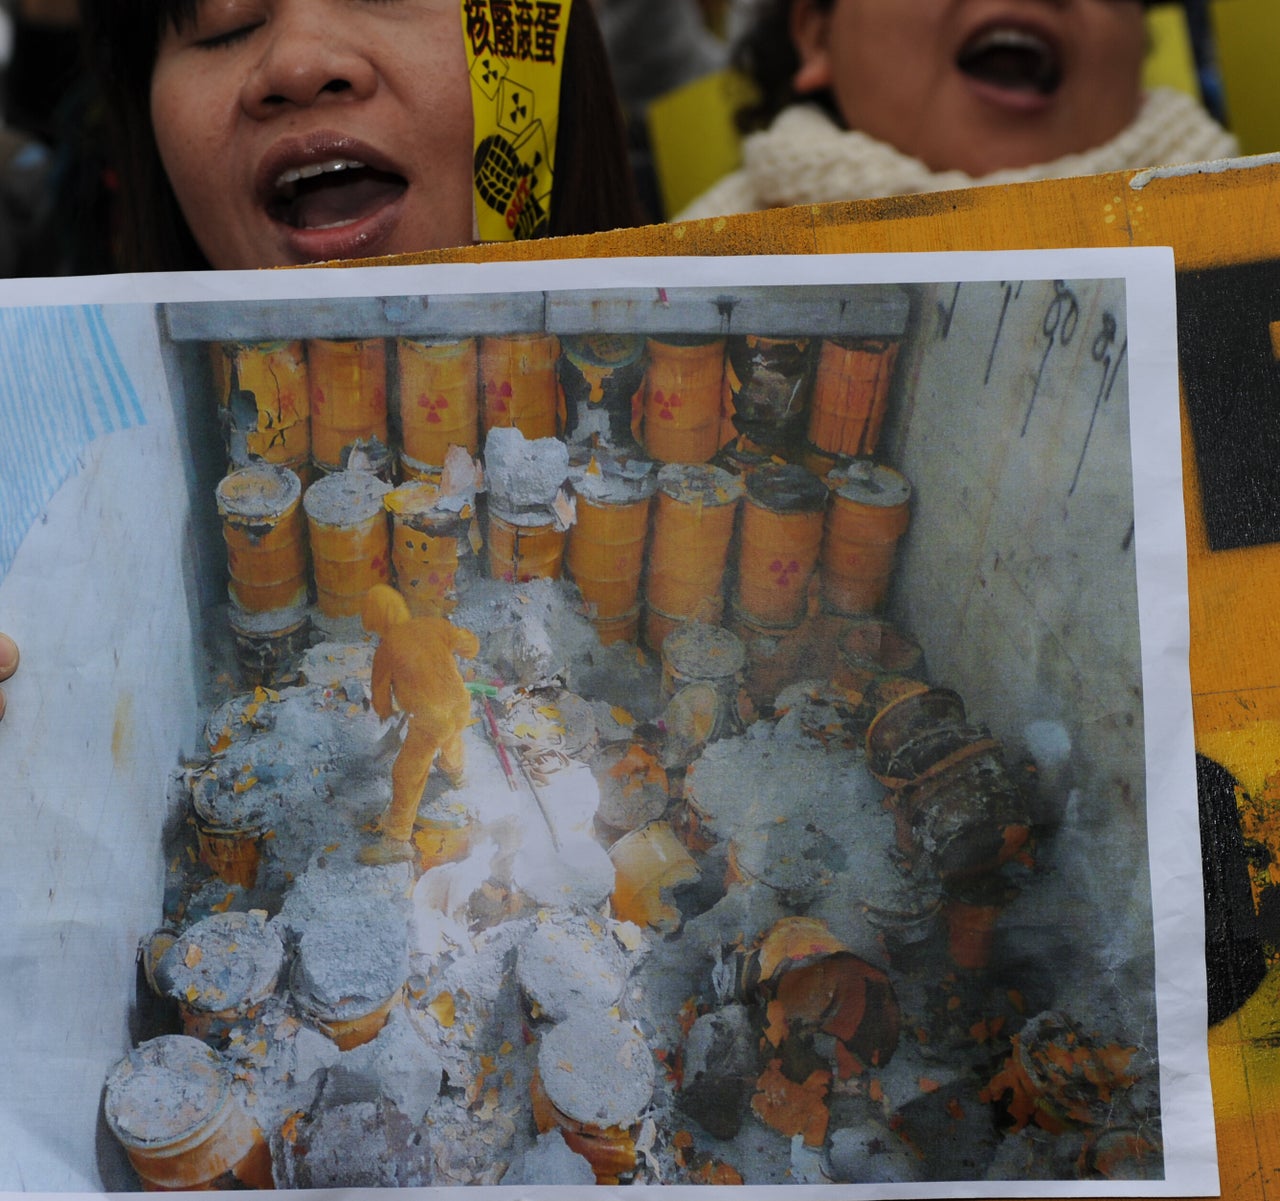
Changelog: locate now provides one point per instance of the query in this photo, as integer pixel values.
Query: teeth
(1008, 39)
(311, 170)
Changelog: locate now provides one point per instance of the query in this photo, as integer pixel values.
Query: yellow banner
(515, 52)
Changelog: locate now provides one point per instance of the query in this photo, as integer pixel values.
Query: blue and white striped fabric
(62, 384)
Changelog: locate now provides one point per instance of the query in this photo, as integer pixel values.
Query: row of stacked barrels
(305, 404)
(758, 530)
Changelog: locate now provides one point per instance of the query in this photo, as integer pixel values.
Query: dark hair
(767, 56)
(594, 188)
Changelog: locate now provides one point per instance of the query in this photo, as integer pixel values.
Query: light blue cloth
(62, 384)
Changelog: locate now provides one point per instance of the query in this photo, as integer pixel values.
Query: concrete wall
(1018, 572)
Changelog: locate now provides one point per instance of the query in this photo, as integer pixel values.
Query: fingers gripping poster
(650, 724)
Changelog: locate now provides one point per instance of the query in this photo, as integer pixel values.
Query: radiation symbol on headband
(515, 51)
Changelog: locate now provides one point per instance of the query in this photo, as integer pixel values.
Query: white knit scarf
(805, 158)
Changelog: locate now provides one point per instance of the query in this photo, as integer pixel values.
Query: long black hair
(594, 188)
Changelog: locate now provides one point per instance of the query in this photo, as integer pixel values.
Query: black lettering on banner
(546, 27)
(504, 30)
(520, 30)
(478, 28)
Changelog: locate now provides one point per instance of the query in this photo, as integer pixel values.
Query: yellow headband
(515, 52)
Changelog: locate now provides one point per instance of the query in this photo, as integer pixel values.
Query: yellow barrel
(869, 512)
(519, 386)
(605, 552)
(780, 536)
(260, 507)
(693, 515)
(350, 540)
(439, 398)
(171, 1106)
(430, 547)
(348, 380)
(263, 393)
(525, 547)
(850, 394)
(682, 387)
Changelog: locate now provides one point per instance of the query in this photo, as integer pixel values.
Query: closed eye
(228, 37)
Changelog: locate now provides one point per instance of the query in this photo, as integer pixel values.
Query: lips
(330, 196)
(1012, 59)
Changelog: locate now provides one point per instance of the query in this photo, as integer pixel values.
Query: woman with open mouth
(863, 98)
(257, 133)
(266, 133)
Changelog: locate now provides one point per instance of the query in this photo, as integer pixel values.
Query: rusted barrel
(767, 382)
(262, 525)
(779, 538)
(869, 512)
(595, 1075)
(519, 386)
(348, 975)
(601, 376)
(171, 1105)
(348, 379)
(682, 396)
(439, 398)
(220, 971)
(431, 548)
(229, 827)
(350, 539)
(264, 402)
(850, 394)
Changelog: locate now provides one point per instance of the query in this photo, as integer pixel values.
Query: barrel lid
(703, 482)
(604, 480)
(871, 484)
(786, 488)
(597, 1070)
(345, 496)
(698, 651)
(603, 350)
(260, 491)
(219, 803)
(412, 498)
(553, 720)
(221, 962)
(569, 963)
(164, 1090)
(344, 969)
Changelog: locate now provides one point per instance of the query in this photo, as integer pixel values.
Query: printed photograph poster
(659, 722)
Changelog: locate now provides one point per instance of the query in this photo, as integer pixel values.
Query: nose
(304, 61)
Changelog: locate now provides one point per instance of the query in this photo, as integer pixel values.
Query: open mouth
(331, 194)
(1012, 59)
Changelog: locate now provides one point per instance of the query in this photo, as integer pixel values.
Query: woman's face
(295, 131)
(976, 85)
